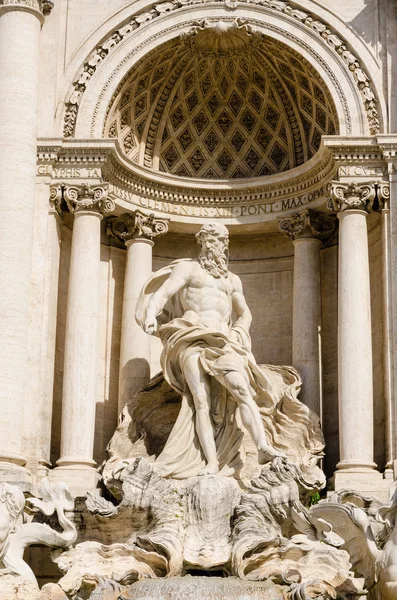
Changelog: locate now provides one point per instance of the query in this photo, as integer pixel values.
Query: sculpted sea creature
(16, 536)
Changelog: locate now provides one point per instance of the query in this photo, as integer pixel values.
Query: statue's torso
(208, 300)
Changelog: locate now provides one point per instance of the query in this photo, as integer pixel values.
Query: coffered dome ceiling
(221, 103)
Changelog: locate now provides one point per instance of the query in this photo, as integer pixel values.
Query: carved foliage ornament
(131, 226)
(322, 29)
(309, 224)
(352, 196)
(78, 198)
(44, 6)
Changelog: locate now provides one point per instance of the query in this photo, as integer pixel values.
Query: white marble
(81, 352)
(353, 202)
(19, 62)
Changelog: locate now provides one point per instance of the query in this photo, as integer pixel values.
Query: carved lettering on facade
(69, 172)
(221, 212)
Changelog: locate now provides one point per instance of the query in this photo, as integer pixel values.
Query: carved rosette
(352, 196)
(43, 6)
(309, 224)
(85, 197)
(132, 226)
(383, 194)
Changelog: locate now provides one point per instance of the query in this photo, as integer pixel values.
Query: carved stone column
(356, 467)
(138, 232)
(76, 465)
(20, 23)
(307, 230)
(383, 193)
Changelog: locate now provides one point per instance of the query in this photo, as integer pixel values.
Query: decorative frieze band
(352, 196)
(309, 224)
(44, 6)
(322, 29)
(81, 198)
(137, 225)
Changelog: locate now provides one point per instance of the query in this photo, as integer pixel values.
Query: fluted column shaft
(80, 362)
(19, 67)
(138, 232)
(353, 203)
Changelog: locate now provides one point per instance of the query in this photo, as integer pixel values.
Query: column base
(16, 474)
(79, 478)
(367, 482)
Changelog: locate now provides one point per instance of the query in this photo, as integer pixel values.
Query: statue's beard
(214, 262)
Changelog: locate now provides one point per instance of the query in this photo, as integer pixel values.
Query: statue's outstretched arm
(177, 280)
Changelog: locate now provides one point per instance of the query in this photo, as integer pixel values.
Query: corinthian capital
(84, 197)
(131, 226)
(43, 6)
(352, 196)
(308, 224)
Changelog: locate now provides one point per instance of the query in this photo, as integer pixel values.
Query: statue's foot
(210, 469)
(268, 454)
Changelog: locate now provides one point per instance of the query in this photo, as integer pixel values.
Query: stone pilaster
(76, 465)
(307, 230)
(20, 24)
(353, 202)
(138, 232)
(383, 195)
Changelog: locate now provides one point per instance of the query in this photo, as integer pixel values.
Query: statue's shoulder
(184, 265)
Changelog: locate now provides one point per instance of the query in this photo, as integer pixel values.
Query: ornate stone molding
(383, 196)
(43, 6)
(352, 196)
(309, 224)
(137, 225)
(322, 29)
(79, 198)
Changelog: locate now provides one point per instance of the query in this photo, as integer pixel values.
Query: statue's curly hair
(211, 228)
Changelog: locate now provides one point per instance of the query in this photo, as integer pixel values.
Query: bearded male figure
(198, 309)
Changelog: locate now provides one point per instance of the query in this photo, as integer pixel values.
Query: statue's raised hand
(150, 326)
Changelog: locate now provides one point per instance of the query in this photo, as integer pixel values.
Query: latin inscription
(223, 212)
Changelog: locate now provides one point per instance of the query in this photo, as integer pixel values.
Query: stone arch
(360, 108)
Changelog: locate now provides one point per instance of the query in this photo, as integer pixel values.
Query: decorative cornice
(309, 224)
(321, 28)
(137, 225)
(80, 198)
(264, 189)
(352, 196)
(43, 6)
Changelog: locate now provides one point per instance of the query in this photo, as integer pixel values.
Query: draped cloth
(290, 426)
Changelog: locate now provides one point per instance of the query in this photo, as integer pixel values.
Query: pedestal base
(368, 482)
(80, 480)
(16, 475)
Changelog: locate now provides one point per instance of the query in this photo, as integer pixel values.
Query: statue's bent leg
(238, 387)
(200, 388)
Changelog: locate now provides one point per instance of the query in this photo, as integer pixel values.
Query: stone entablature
(191, 201)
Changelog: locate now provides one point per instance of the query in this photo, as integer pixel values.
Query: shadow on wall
(106, 415)
(366, 22)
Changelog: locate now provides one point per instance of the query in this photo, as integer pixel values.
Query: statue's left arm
(243, 321)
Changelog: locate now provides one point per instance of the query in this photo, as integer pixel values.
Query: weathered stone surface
(204, 588)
